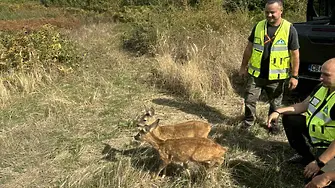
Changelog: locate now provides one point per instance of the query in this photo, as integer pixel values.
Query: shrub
(44, 48)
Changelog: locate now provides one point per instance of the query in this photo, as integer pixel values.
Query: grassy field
(77, 130)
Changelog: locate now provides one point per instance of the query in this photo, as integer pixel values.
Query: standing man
(271, 57)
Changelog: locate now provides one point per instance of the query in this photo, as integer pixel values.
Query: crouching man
(313, 119)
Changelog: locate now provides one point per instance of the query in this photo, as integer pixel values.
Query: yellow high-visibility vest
(280, 57)
(320, 126)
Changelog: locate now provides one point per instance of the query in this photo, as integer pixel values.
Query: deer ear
(154, 124)
(146, 109)
(151, 111)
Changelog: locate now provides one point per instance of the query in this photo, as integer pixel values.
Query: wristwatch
(296, 77)
(319, 163)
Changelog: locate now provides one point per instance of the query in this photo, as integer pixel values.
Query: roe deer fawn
(181, 130)
(200, 150)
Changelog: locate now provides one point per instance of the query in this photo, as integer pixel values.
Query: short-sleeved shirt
(332, 110)
(293, 44)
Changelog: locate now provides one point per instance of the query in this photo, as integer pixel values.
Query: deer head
(143, 131)
(147, 118)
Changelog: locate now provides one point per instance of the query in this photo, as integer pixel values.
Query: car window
(323, 8)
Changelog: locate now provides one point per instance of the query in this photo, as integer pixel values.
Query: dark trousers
(274, 90)
(297, 135)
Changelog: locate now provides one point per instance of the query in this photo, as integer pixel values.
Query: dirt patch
(33, 24)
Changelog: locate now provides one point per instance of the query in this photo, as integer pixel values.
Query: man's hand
(319, 182)
(311, 169)
(292, 83)
(273, 117)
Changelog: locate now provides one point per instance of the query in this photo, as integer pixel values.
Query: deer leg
(164, 173)
(185, 165)
(211, 164)
(161, 167)
(188, 173)
(214, 163)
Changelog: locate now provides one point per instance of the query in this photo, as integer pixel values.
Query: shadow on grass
(246, 140)
(247, 174)
(142, 158)
(212, 114)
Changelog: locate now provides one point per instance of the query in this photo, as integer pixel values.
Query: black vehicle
(317, 43)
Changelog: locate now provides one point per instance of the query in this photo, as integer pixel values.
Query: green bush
(45, 48)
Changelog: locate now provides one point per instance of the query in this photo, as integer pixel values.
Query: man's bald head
(328, 73)
(330, 62)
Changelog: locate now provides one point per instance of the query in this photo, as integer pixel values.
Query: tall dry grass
(199, 51)
(23, 83)
(201, 61)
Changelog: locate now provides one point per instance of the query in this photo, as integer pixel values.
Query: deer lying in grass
(199, 150)
(180, 130)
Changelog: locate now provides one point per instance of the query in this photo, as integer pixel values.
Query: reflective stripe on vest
(320, 125)
(279, 56)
